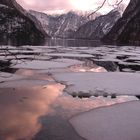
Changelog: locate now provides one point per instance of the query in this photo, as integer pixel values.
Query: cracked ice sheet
(13, 80)
(55, 63)
(8, 77)
(70, 55)
(111, 83)
(116, 122)
(24, 83)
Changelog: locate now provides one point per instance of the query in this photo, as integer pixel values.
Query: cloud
(42, 5)
(64, 5)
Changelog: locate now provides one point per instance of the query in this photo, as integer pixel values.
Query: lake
(40, 91)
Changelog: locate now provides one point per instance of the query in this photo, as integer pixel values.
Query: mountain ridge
(63, 25)
(96, 29)
(17, 26)
(127, 30)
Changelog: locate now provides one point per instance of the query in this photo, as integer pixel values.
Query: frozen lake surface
(52, 92)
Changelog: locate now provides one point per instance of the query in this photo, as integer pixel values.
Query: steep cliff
(17, 27)
(127, 30)
(96, 29)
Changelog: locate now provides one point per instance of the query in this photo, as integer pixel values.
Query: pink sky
(53, 6)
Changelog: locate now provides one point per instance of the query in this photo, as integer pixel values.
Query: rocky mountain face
(68, 23)
(96, 29)
(17, 27)
(127, 30)
(61, 26)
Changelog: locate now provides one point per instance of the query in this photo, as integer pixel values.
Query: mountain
(127, 30)
(96, 29)
(68, 23)
(17, 27)
(63, 25)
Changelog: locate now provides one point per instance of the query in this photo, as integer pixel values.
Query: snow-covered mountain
(127, 30)
(96, 29)
(63, 25)
(17, 27)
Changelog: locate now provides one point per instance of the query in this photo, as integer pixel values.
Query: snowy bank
(117, 122)
(100, 83)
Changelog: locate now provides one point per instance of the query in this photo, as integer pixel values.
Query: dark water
(18, 41)
(52, 42)
(72, 43)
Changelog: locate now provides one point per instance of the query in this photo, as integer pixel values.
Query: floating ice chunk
(117, 122)
(112, 83)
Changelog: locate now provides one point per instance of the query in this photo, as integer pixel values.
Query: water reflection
(21, 108)
(43, 112)
(33, 74)
(20, 41)
(50, 42)
(87, 67)
(72, 42)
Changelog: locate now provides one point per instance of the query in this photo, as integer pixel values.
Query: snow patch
(55, 63)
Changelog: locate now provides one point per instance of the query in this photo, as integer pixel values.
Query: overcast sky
(53, 6)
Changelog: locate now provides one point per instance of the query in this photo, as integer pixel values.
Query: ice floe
(55, 63)
(100, 83)
(117, 122)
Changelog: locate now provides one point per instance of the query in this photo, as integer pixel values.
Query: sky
(61, 6)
